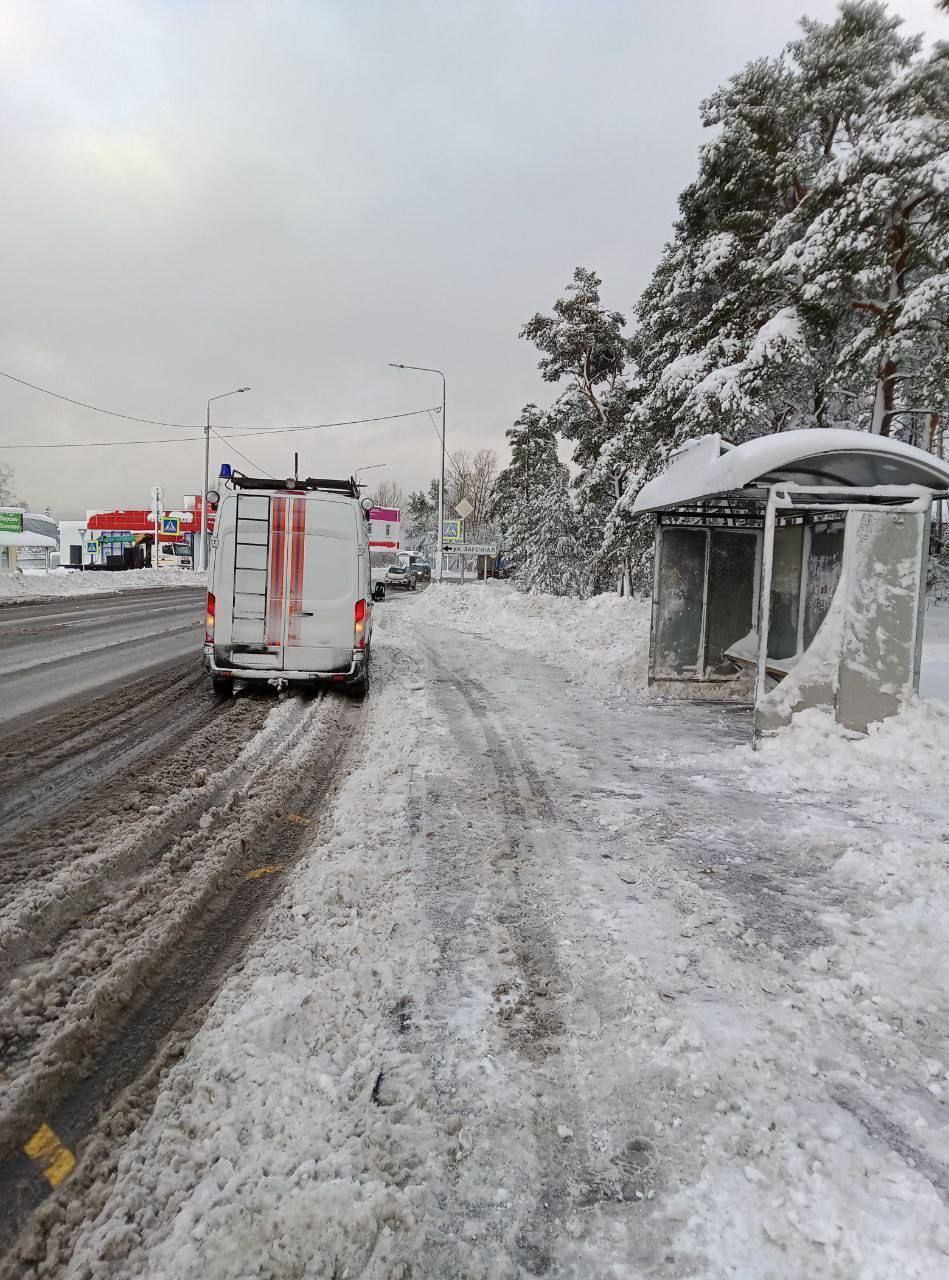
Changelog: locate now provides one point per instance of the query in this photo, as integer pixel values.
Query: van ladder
(251, 557)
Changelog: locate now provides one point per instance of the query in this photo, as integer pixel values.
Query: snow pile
(904, 756)
(67, 582)
(602, 642)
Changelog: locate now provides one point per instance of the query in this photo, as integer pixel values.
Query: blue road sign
(170, 524)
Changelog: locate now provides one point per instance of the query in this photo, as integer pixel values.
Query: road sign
(170, 524)
(11, 521)
(451, 531)
(476, 548)
(464, 508)
(157, 493)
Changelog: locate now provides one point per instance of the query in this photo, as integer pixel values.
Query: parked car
(288, 585)
(402, 575)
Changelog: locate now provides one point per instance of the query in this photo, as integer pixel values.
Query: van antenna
(296, 468)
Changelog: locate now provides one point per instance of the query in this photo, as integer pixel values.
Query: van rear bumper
(273, 675)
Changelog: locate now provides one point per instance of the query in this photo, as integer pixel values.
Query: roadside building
(25, 540)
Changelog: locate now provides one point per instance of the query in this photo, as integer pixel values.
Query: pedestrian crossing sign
(170, 524)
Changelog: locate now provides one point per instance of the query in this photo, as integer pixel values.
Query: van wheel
(358, 689)
(223, 686)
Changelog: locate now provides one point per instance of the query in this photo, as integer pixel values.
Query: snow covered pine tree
(583, 342)
(805, 284)
(533, 506)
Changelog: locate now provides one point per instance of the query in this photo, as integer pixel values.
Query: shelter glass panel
(731, 595)
(824, 561)
(680, 604)
(786, 591)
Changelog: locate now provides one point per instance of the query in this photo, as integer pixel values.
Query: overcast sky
(288, 195)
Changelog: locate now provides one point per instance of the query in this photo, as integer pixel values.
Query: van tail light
(359, 625)
(209, 621)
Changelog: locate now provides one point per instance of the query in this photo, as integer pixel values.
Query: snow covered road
(567, 985)
(52, 650)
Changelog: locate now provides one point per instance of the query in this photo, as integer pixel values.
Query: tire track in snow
(175, 970)
(556, 1170)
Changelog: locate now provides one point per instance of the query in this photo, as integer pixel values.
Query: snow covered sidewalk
(571, 986)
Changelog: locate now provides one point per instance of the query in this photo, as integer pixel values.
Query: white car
(289, 596)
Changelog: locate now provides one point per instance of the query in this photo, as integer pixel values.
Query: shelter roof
(710, 467)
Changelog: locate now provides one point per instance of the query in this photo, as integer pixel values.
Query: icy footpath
(59, 583)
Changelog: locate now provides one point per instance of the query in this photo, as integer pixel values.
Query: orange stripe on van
(276, 574)
(297, 551)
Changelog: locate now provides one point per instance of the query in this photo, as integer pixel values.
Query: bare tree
(471, 476)
(388, 494)
(8, 495)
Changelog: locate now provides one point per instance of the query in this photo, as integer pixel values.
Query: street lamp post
(207, 463)
(422, 368)
(373, 466)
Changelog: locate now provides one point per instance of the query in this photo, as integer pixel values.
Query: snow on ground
(603, 642)
(572, 987)
(67, 582)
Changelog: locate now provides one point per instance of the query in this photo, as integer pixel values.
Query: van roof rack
(349, 487)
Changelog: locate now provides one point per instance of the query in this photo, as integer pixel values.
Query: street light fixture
(373, 466)
(440, 543)
(207, 462)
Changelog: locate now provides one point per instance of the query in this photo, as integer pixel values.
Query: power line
(110, 413)
(184, 426)
(318, 426)
(451, 460)
(232, 449)
(235, 431)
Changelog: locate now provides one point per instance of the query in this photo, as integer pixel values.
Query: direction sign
(476, 548)
(451, 530)
(170, 524)
(11, 521)
(464, 508)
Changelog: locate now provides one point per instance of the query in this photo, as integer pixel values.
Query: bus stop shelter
(790, 572)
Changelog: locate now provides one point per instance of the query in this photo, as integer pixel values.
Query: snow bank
(67, 582)
(603, 642)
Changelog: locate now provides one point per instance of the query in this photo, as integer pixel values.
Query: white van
(172, 555)
(289, 596)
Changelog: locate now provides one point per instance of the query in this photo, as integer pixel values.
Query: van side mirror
(366, 504)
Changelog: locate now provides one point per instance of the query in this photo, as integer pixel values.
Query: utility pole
(422, 368)
(157, 496)
(207, 463)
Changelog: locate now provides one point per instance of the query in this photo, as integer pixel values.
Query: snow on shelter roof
(26, 540)
(710, 467)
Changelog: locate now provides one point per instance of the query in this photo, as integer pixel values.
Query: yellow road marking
(46, 1149)
(298, 817)
(265, 871)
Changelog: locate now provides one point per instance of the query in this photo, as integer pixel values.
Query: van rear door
(255, 545)
(323, 583)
